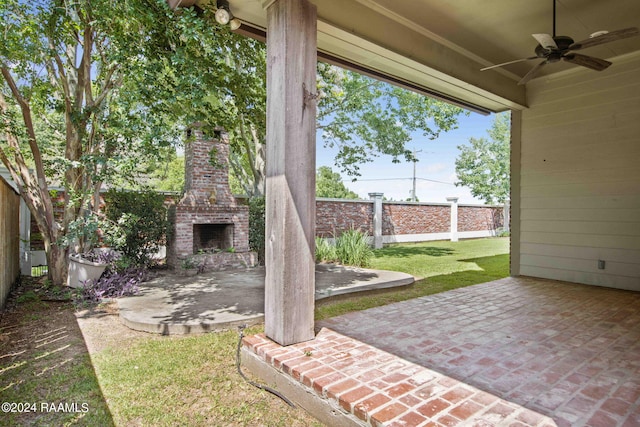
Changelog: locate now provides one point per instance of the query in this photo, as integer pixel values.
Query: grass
(444, 266)
(429, 259)
(350, 248)
(190, 381)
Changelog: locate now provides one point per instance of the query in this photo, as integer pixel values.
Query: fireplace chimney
(207, 169)
(209, 224)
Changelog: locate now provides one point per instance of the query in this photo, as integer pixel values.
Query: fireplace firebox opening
(212, 237)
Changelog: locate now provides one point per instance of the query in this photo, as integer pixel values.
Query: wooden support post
(290, 167)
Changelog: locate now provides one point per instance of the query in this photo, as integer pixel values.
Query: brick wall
(184, 219)
(398, 218)
(336, 216)
(207, 182)
(476, 218)
(405, 218)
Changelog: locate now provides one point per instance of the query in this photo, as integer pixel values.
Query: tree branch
(28, 122)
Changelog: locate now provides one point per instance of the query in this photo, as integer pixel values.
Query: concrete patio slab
(175, 304)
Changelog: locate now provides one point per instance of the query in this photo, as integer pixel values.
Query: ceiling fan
(561, 48)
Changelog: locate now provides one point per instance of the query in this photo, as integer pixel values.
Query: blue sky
(436, 162)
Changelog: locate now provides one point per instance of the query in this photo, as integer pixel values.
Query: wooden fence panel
(9, 239)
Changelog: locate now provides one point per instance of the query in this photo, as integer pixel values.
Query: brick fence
(408, 221)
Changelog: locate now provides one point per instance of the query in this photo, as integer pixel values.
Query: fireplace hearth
(212, 238)
(209, 224)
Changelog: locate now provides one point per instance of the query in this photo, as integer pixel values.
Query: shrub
(143, 218)
(502, 232)
(256, 226)
(352, 248)
(325, 250)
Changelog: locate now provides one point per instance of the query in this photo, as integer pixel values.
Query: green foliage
(91, 229)
(189, 263)
(483, 166)
(353, 248)
(257, 226)
(168, 174)
(329, 184)
(70, 102)
(325, 250)
(364, 118)
(350, 248)
(28, 296)
(143, 218)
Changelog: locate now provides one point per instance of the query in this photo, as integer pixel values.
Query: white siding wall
(580, 177)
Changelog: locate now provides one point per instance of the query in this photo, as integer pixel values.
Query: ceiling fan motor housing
(555, 54)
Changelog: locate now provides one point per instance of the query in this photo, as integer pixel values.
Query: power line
(400, 179)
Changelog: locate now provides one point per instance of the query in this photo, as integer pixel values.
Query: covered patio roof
(440, 47)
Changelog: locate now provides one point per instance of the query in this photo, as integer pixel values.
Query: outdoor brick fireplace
(209, 224)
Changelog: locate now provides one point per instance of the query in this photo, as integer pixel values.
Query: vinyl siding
(580, 176)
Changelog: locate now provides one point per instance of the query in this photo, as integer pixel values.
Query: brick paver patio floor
(567, 351)
(516, 352)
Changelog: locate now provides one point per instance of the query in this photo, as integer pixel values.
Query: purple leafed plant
(113, 285)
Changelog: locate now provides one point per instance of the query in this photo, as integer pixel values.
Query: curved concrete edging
(173, 305)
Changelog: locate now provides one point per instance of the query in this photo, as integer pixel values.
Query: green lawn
(187, 381)
(436, 258)
(442, 265)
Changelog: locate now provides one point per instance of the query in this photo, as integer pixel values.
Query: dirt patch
(102, 329)
(42, 356)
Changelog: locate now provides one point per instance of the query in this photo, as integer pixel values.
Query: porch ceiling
(440, 46)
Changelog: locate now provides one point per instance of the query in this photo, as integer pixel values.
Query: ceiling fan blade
(545, 40)
(587, 61)
(605, 38)
(532, 73)
(508, 63)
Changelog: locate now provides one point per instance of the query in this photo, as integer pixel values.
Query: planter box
(81, 270)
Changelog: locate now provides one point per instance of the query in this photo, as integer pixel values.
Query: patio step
(344, 382)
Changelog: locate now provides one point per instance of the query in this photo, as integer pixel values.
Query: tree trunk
(58, 264)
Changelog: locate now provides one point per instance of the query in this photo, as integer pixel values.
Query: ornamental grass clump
(325, 250)
(353, 248)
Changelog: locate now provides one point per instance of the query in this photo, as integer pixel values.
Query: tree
(359, 116)
(364, 118)
(329, 184)
(483, 166)
(168, 173)
(218, 78)
(67, 105)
